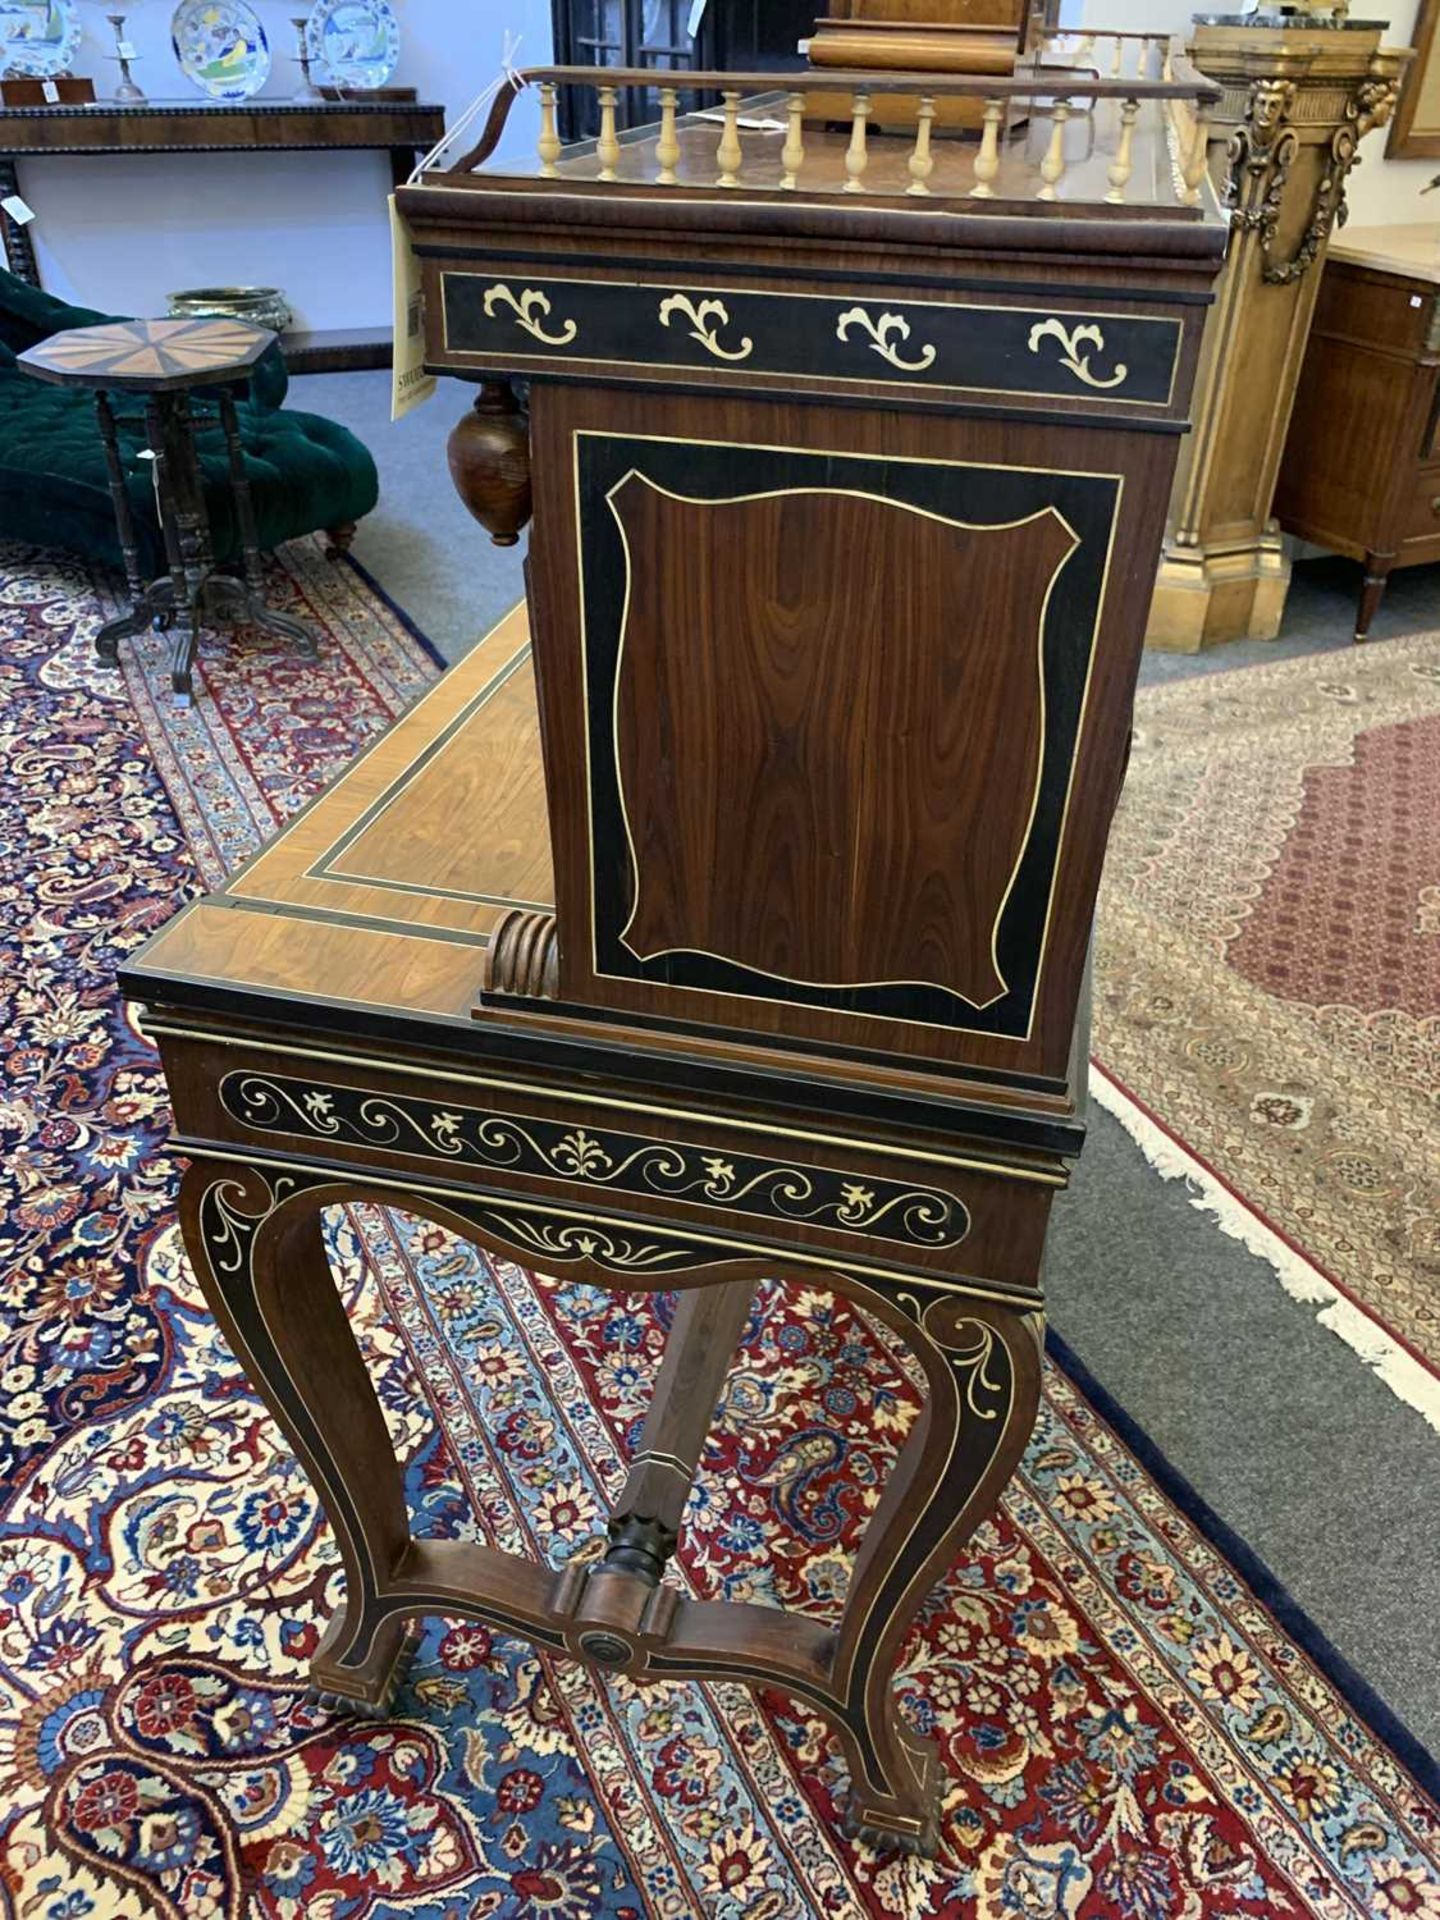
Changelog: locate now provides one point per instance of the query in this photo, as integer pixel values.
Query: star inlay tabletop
(149, 354)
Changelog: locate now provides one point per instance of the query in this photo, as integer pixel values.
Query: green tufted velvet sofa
(305, 473)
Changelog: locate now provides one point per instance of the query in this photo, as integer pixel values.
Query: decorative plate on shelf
(356, 42)
(221, 46)
(38, 38)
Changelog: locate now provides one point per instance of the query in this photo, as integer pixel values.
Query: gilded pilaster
(1298, 100)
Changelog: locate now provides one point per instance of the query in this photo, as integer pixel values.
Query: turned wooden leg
(181, 507)
(1377, 577)
(704, 1334)
(256, 1244)
(982, 1368)
(338, 539)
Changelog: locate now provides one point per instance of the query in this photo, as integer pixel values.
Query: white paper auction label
(18, 211)
(410, 385)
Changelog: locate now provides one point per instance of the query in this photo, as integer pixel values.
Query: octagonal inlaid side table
(163, 361)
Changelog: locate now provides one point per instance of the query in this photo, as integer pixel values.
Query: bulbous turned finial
(489, 451)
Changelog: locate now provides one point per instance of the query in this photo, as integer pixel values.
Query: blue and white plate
(38, 38)
(355, 42)
(221, 46)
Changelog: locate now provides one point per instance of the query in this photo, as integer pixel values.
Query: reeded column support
(1297, 100)
(1197, 160)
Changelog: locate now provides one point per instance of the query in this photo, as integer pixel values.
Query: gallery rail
(761, 139)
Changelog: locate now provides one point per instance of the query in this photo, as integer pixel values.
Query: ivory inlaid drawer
(1041, 353)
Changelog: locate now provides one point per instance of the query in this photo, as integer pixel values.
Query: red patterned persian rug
(1127, 1729)
(1268, 977)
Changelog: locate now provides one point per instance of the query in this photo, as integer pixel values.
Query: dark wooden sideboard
(1361, 473)
(404, 129)
(750, 946)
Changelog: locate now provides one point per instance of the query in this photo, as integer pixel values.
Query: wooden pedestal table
(848, 459)
(164, 361)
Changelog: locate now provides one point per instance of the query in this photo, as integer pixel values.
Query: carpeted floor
(1268, 969)
(1128, 1730)
(1276, 1423)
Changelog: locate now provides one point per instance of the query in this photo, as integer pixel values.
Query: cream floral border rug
(1267, 1008)
(1135, 1721)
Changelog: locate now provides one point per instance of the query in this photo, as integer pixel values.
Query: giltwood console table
(401, 128)
(751, 945)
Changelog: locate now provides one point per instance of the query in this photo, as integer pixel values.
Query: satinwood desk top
(383, 893)
(368, 918)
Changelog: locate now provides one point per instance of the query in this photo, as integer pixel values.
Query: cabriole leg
(255, 1241)
(982, 1369)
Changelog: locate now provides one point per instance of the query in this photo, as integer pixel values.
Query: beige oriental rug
(1267, 1008)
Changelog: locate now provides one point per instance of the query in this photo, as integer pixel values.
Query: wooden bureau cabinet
(1361, 473)
(722, 919)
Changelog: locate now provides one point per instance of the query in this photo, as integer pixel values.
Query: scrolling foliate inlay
(703, 1175)
(771, 333)
(884, 333)
(708, 319)
(229, 1227)
(622, 1252)
(976, 1351)
(1072, 342)
(532, 309)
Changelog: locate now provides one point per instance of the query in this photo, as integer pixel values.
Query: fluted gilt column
(1298, 99)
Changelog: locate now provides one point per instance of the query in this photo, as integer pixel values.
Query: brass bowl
(260, 306)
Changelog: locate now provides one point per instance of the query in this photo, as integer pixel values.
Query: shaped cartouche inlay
(829, 725)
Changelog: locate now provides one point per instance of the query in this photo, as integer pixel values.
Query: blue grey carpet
(1331, 1480)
